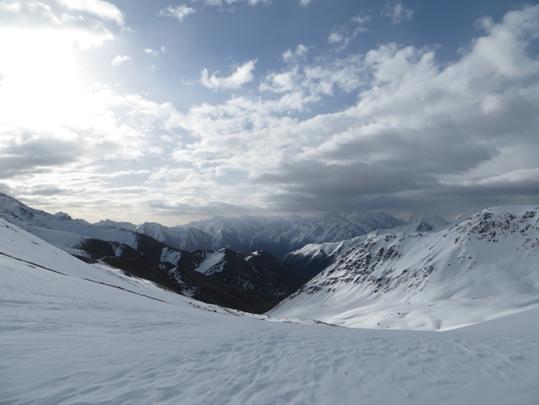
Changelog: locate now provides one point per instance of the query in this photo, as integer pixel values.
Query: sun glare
(41, 78)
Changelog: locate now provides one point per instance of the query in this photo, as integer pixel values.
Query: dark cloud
(473, 121)
(311, 187)
(35, 155)
(209, 209)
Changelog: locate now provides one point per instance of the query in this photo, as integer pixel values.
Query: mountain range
(221, 261)
(278, 235)
(383, 272)
(482, 267)
(76, 332)
(250, 282)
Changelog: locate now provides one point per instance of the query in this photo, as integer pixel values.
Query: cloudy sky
(178, 110)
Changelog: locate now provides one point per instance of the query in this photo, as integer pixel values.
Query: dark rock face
(305, 267)
(250, 283)
(424, 227)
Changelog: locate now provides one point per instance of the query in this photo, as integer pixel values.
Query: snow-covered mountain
(483, 267)
(423, 223)
(116, 224)
(179, 237)
(278, 235)
(74, 332)
(60, 229)
(234, 281)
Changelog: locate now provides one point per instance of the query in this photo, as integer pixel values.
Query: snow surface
(72, 332)
(213, 263)
(487, 266)
(170, 256)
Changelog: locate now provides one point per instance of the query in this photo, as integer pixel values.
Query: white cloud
(335, 38)
(343, 36)
(242, 75)
(155, 51)
(398, 12)
(229, 3)
(100, 8)
(319, 79)
(222, 3)
(36, 8)
(280, 82)
(120, 60)
(178, 12)
(292, 55)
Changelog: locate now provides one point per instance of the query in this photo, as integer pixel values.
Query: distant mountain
(425, 223)
(224, 277)
(278, 235)
(180, 237)
(477, 269)
(115, 224)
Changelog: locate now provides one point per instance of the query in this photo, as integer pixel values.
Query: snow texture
(72, 332)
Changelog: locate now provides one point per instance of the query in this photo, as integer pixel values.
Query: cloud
(335, 37)
(211, 208)
(28, 154)
(420, 129)
(120, 60)
(155, 51)
(223, 3)
(344, 35)
(99, 8)
(396, 127)
(293, 55)
(60, 23)
(230, 3)
(35, 8)
(398, 13)
(242, 75)
(178, 12)
(280, 82)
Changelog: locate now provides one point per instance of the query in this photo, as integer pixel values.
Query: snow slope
(212, 263)
(60, 229)
(20, 249)
(481, 268)
(65, 339)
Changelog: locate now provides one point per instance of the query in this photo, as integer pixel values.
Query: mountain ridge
(481, 267)
(240, 285)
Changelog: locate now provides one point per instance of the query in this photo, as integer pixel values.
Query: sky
(173, 111)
